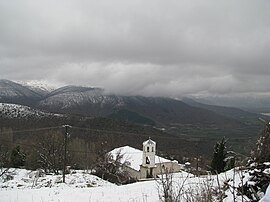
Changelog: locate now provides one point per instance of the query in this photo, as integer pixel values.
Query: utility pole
(87, 161)
(197, 159)
(65, 152)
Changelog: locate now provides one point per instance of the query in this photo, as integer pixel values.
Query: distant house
(145, 164)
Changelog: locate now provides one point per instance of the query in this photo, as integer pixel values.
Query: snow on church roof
(134, 156)
(150, 142)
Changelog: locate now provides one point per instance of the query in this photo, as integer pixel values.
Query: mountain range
(186, 118)
(94, 102)
(161, 112)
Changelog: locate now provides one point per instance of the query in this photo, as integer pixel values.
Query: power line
(93, 152)
(100, 131)
(65, 151)
(126, 133)
(31, 130)
(69, 150)
(88, 129)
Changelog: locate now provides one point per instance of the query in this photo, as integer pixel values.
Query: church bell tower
(149, 152)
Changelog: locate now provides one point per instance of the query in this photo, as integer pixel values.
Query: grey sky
(147, 47)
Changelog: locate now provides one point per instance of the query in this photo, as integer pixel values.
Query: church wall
(167, 167)
(159, 169)
(145, 172)
(133, 173)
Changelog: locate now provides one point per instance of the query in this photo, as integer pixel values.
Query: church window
(147, 160)
(147, 149)
(152, 149)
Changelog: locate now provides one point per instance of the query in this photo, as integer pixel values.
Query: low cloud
(156, 48)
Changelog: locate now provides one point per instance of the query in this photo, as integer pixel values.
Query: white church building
(145, 164)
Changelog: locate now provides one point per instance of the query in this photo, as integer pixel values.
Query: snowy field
(83, 187)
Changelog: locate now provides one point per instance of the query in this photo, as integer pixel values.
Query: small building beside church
(143, 164)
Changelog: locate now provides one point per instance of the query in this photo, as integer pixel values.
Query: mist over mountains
(28, 106)
(185, 73)
(255, 103)
(94, 102)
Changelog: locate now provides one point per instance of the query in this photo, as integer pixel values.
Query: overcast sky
(145, 47)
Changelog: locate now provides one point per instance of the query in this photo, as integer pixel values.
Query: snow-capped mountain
(40, 87)
(94, 102)
(12, 89)
(11, 92)
(80, 100)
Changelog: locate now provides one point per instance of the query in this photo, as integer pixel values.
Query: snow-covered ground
(80, 186)
(266, 197)
(83, 187)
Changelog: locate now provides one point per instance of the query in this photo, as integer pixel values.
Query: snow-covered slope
(12, 89)
(24, 185)
(11, 111)
(69, 97)
(11, 92)
(266, 198)
(40, 87)
(21, 179)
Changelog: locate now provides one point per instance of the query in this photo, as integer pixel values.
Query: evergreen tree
(17, 157)
(262, 152)
(218, 162)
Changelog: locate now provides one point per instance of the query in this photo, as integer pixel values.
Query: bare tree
(50, 149)
(181, 189)
(166, 192)
(170, 190)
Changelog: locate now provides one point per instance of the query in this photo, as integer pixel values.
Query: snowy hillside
(11, 92)
(12, 89)
(72, 96)
(23, 179)
(24, 185)
(41, 87)
(11, 111)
